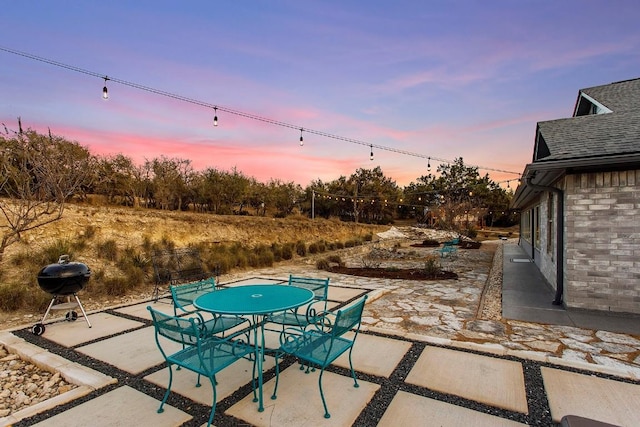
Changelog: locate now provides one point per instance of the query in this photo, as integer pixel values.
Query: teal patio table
(256, 301)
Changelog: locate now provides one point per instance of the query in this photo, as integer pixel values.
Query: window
(536, 226)
(525, 225)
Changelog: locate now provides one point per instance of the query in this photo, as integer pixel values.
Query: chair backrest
(319, 287)
(184, 294)
(182, 330)
(349, 318)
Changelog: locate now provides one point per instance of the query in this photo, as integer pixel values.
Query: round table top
(253, 299)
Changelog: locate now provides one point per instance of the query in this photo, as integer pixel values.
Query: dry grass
(117, 243)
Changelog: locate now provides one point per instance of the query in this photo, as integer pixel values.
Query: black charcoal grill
(63, 280)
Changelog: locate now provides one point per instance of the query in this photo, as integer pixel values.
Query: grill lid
(64, 269)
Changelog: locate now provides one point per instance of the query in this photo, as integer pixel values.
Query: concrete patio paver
(408, 409)
(375, 355)
(601, 399)
(299, 403)
(124, 407)
(70, 334)
(133, 352)
(489, 380)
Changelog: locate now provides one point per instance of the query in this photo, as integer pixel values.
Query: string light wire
(238, 112)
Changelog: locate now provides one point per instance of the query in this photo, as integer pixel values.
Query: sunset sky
(440, 79)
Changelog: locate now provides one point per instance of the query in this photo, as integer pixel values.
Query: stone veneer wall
(602, 226)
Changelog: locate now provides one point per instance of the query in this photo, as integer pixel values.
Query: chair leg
(215, 398)
(353, 372)
(324, 403)
(275, 388)
(166, 394)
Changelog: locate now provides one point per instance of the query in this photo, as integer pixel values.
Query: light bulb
(301, 138)
(371, 155)
(215, 116)
(105, 92)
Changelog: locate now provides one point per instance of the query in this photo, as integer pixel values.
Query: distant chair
(301, 316)
(201, 353)
(184, 295)
(322, 342)
(176, 266)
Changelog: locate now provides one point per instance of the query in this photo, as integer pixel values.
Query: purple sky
(444, 79)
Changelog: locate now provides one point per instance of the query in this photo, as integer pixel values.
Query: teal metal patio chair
(303, 315)
(322, 342)
(183, 296)
(201, 353)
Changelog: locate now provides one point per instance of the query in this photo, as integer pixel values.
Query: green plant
(432, 266)
(301, 248)
(335, 259)
(287, 251)
(13, 297)
(89, 231)
(51, 253)
(322, 264)
(108, 250)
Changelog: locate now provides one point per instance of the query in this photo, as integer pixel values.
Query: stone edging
(85, 378)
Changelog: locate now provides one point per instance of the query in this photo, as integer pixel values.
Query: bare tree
(38, 174)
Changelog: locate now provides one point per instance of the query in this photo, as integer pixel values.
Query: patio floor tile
(489, 380)
(609, 401)
(375, 355)
(70, 334)
(408, 409)
(132, 352)
(299, 403)
(117, 407)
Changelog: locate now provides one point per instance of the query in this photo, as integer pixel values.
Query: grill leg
(46, 313)
(82, 309)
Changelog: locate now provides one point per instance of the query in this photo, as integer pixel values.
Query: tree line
(40, 173)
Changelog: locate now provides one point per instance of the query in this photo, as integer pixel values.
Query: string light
(105, 92)
(301, 138)
(371, 155)
(215, 116)
(429, 164)
(232, 111)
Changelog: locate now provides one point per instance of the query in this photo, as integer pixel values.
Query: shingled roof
(604, 133)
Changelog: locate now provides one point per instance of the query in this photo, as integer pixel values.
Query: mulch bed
(383, 273)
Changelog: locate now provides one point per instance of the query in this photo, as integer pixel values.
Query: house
(580, 201)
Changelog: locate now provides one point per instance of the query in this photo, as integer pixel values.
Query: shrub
(322, 264)
(335, 259)
(108, 250)
(52, 252)
(432, 266)
(314, 248)
(89, 231)
(261, 256)
(276, 250)
(115, 286)
(368, 237)
(471, 232)
(301, 248)
(287, 251)
(339, 245)
(13, 297)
